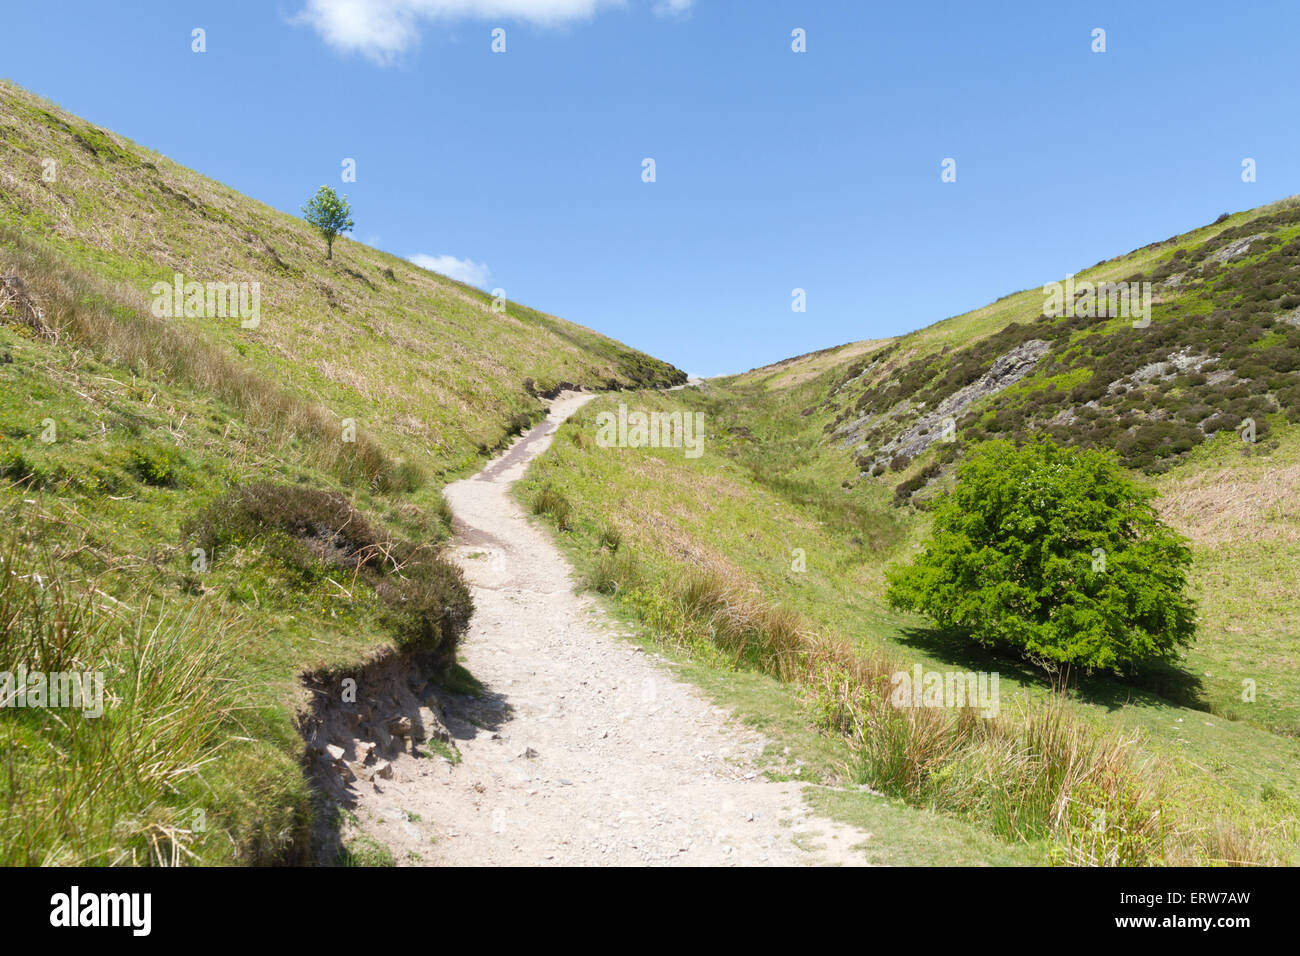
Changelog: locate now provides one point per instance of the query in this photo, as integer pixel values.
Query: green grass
(767, 485)
(362, 850)
(423, 364)
(155, 419)
(442, 749)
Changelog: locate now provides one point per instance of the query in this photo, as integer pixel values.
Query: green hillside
(768, 551)
(303, 454)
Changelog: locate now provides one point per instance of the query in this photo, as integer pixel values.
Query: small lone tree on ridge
(330, 214)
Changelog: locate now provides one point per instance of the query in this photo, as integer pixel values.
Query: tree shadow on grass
(1156, 683)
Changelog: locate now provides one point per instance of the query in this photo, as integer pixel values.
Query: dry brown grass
(1232, 506)
(1228, 844)
(795, 371)
(19, 305)
(768, 637)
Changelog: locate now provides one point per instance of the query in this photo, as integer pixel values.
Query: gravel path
(584, 749)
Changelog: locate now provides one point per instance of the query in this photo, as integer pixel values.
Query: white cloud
(462, 270)
(673, 8)
(384, 29)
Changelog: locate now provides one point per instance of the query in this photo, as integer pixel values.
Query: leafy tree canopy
(330, 214)
(1056, 552)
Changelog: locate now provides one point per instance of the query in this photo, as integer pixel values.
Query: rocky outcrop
(358, 723)
(940, 422)
(1237, 248)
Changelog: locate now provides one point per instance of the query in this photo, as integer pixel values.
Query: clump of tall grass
(1042, 772)
(613, 571)
(124, 786)
(1228, 844)
(610, 538)
(752, 632)
(548, 501)
(114, 319)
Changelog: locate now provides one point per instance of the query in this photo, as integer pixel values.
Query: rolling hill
(767, 553)
(206, 497)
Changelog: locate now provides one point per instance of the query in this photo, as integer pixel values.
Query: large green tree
(330, 214)
(1056, 552)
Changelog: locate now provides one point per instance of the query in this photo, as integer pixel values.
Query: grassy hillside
(767, 553)
(303, 457)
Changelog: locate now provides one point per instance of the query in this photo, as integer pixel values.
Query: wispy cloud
(462, 270)
(385, 29)
(673, 8)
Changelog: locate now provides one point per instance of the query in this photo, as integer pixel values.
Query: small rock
(384, 769)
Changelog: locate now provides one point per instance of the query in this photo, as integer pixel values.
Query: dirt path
(583, 749)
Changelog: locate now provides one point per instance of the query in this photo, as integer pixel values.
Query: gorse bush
(1056, 553)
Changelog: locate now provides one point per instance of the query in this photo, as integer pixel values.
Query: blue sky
(775, 170)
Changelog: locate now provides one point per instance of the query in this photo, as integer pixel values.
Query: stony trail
(583, 749)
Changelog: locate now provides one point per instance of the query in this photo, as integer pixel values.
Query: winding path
(583, 749)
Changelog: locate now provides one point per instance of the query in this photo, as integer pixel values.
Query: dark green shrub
(323, 522)
(427, 606)
(15, 466)
(1013, 561)
(519, 423)
(907, 488)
